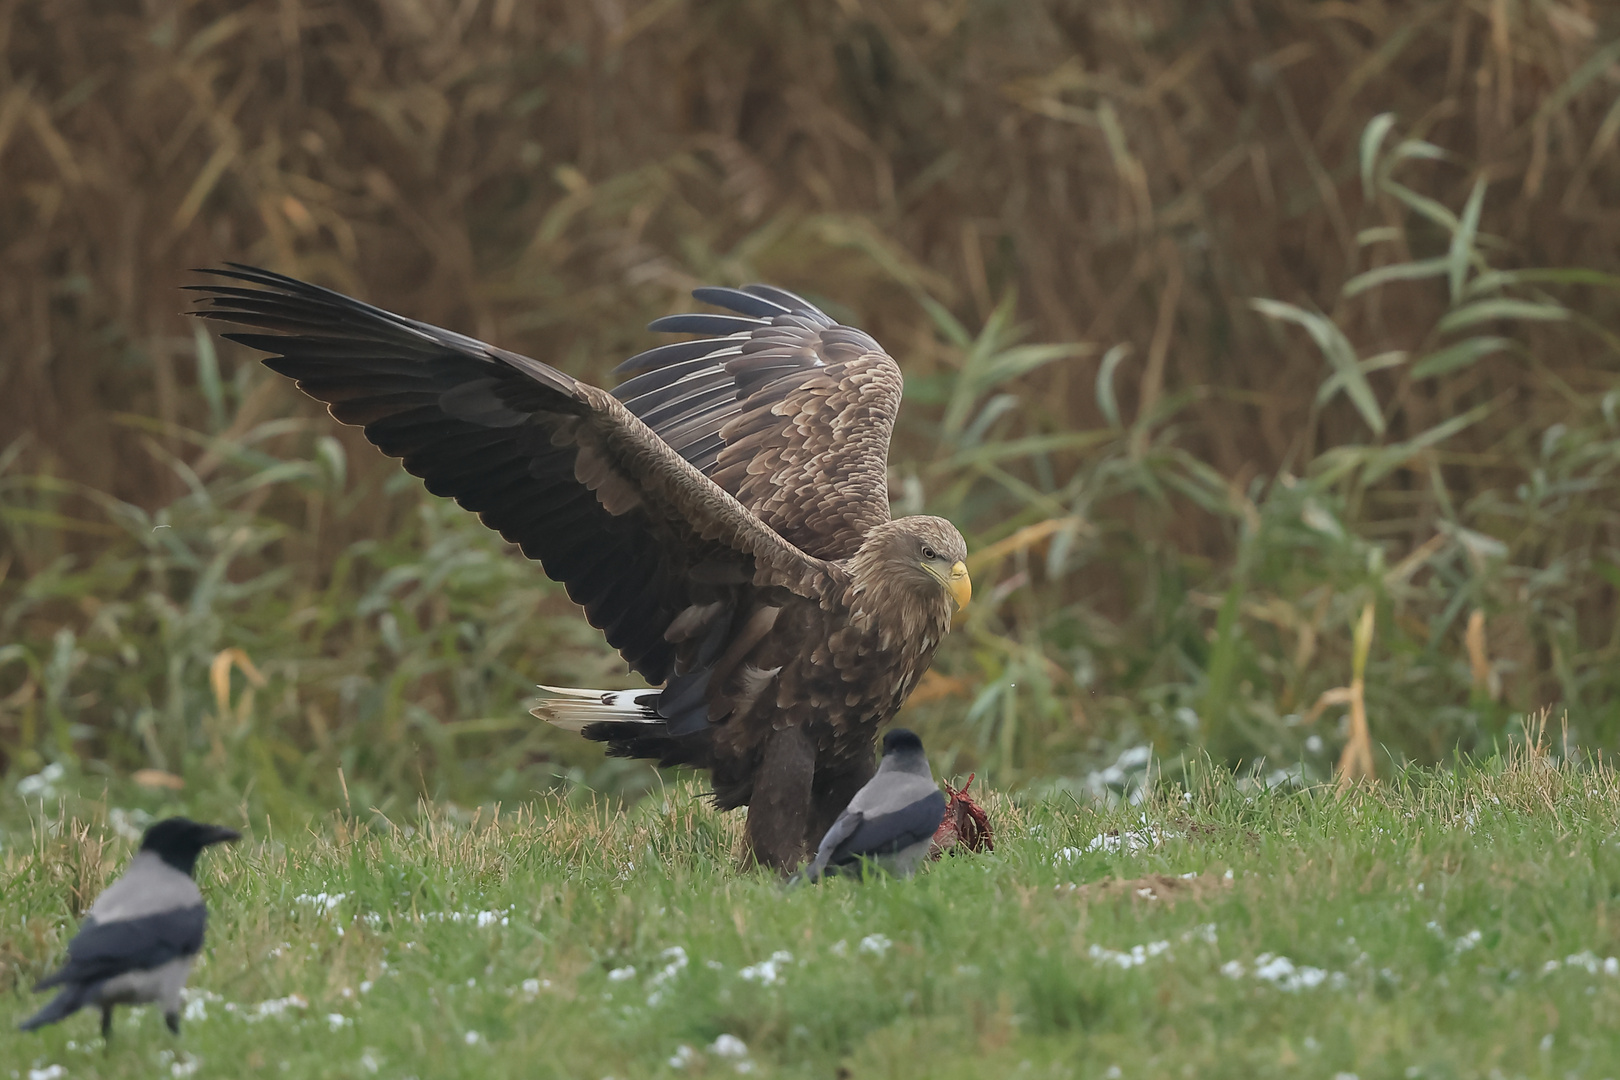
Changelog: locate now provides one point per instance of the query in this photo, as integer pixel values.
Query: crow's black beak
(219, 834)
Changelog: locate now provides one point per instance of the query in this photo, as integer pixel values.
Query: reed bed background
(1265, 351)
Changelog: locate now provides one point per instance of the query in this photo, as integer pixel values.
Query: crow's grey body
(891, 821)
(142, 934)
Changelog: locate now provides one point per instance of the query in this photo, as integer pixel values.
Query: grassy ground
(1449, 924)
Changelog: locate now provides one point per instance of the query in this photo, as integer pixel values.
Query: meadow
(1453, 923)
(1263, 352)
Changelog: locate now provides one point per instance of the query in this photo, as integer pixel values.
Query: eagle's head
(918, 561)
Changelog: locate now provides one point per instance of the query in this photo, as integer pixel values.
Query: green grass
(1453, 923)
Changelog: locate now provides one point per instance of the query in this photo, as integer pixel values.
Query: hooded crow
(890, 821)
(141, 935)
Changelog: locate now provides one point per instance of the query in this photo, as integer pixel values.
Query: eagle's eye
(929, 553)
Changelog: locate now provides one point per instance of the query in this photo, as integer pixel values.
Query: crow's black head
(178, 841)
(900, 739)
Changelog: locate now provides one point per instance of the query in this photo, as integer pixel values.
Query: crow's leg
(173, 1020)
(106, 1022)
(830, 794)
(779, 810)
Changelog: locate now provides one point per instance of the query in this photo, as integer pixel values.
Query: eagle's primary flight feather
(722, 516)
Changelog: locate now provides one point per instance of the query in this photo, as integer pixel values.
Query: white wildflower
(129, 824)
(274, 1007)
(1204, 932)
(765, 972)
(876, 944)
(323, 902)
(729, 1046)
(1138, 955)
(1285, 975)
(42, 785)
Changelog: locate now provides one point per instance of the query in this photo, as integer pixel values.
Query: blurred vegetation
(1266, 352)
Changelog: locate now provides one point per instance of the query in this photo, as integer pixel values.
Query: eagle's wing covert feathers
(783, 407)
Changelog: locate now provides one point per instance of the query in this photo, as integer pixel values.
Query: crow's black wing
(103, 950)
(885, 834)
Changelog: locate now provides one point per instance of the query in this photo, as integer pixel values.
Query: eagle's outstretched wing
(639, 536)
(783, 407)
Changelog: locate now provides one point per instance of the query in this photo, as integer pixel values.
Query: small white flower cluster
(1126, 842)
(477, 918)
(129, 824)
(178, 1068)
(197, 1001)
(767, 972)
(728, 1047)
(324, 902)
(1461, 945)
(874, 944)
(1128, 773)
(42, 785)
(675, 962)
(1587, 961)
(49, 1072)
(273, 1007)
(1137, 955)
(1284, 974)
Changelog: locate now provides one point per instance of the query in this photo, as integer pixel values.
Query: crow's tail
(67, 1002)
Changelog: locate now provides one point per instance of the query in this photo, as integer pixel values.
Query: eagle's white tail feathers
(574, 707)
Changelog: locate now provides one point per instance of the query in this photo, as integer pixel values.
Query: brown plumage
(723, 517)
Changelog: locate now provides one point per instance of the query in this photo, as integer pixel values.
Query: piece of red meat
(966, 827)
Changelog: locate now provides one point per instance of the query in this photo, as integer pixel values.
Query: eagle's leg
(779, 810)
(834, 787)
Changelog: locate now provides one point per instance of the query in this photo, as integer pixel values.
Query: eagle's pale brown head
(913, 566)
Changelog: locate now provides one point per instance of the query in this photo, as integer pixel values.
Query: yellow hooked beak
(960, 585)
